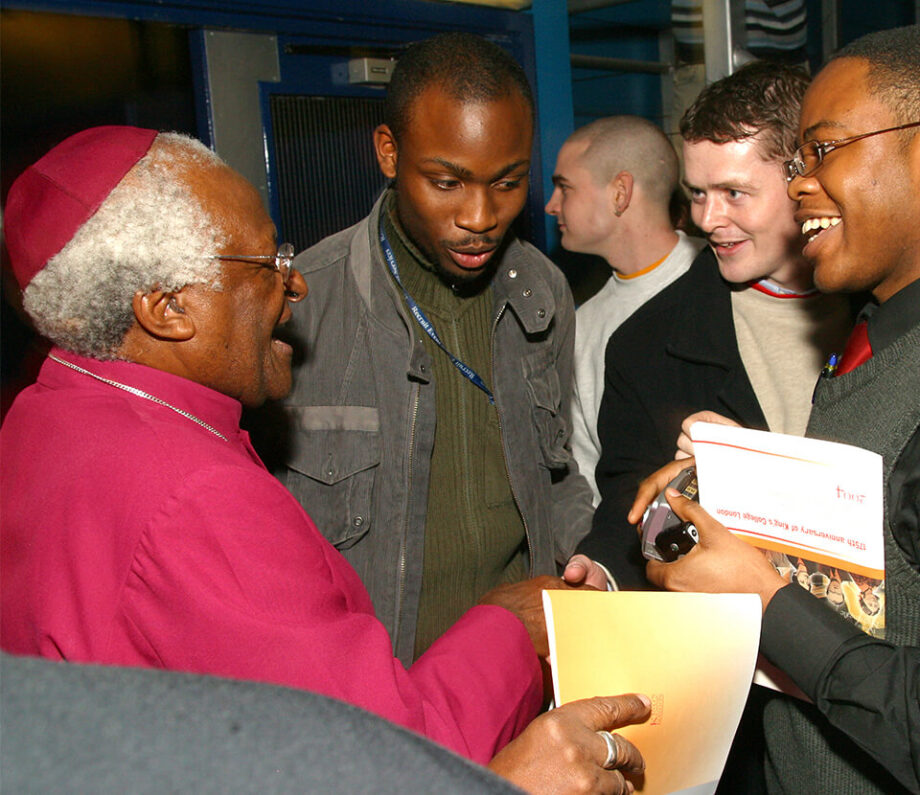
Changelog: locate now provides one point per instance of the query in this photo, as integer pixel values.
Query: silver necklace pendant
(139, 393)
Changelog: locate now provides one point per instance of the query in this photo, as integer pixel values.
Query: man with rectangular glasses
(857, 181)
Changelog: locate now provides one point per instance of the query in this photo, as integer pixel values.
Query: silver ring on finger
(612, 750)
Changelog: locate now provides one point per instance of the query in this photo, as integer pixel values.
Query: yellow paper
(693, 655)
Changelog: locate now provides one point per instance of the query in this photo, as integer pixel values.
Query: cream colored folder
(693, 655)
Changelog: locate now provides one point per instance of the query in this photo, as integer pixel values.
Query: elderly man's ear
(163, 315)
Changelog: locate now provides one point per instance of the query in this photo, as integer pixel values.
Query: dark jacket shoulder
(690, 319)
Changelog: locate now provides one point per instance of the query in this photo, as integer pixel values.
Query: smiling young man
(430, 420)
(744, 332)
(856, 178)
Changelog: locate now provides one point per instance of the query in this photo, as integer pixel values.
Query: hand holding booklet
(692, 654)
(814, 507)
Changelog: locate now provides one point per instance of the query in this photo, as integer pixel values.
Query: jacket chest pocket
(333, 466)
(545, 392)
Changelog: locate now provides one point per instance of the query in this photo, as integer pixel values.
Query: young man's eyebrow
(455, 169)
(807, 134)
(510, 168)
(730, 185)
(465, 173)
(734, 185)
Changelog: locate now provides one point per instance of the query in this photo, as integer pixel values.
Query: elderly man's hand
(525, 600)
(562, 752)
(685, 440)
(720, 563)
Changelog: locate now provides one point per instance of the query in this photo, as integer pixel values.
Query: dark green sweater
(474, 534)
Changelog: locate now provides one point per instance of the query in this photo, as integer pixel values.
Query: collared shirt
(894, 318)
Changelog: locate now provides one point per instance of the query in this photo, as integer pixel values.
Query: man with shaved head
(614, 180)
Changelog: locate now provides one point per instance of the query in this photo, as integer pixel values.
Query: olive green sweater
(474, 534)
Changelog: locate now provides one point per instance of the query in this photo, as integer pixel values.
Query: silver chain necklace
(135, 391)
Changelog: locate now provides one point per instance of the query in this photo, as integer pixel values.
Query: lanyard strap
(424, 322)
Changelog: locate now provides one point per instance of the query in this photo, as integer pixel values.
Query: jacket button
(358, 521)
(541, 313)
(423, 368)
(512, 274)
(527, 293)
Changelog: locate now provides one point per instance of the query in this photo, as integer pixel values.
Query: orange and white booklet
(692, 654)
(814, 507)
(806, 500)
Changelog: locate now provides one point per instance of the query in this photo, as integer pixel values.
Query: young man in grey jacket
(430, 416)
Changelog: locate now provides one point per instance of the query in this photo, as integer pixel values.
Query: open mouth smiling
(726, 246)
(813, 227)
(281, 334)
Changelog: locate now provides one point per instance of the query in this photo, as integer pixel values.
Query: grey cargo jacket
(362, 414)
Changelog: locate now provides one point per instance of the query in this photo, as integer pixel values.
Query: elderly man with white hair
(139, 527)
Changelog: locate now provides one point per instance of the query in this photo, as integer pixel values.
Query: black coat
(677, 354)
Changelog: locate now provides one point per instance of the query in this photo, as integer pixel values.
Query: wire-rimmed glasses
(282, 261)
(809, 156)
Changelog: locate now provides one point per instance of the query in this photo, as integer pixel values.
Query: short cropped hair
(150, 232)
(761, 99)
(469, 68)
(633, 144)
(894, 69)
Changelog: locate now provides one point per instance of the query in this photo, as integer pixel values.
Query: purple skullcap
(54, 197)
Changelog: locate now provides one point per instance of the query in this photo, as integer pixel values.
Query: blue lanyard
(424, 322)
